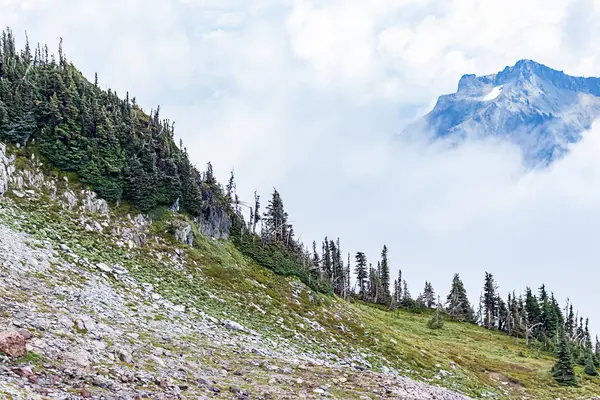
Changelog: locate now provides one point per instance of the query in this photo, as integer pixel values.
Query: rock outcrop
(12, 344)
(215, 222)
(185, 234)
(6, 169)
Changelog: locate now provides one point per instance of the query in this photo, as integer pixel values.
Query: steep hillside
(114, 305)
(540, 109)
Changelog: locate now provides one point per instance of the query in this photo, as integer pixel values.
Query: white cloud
(305, 95)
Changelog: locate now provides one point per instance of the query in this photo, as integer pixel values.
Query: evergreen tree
(385, 275)
(588, 336)
(436, 321)
(327, 262)
(570, 322)
(533, 312)
(503, 315)
(590, 368)
(428, 295)
(230, 187)
(315, 258)
(348, 268)
(398, 290)
(563, 371)
(276, 226)
(257, 217)
(597, 353)
(490, 302)
(361, 272)
(457, 303)
(407, 300)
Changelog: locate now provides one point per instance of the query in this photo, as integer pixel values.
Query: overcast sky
(307, 96)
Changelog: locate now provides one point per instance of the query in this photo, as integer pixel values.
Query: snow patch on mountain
(494, 93)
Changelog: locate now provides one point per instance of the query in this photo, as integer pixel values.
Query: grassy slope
(221, 281)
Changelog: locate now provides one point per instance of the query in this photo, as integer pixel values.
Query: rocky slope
(111, 305)
(97, 324)
(539, 109)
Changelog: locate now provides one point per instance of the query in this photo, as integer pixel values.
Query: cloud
(306, 95)
(474, 208)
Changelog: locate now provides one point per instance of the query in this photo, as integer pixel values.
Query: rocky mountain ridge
(533, 106)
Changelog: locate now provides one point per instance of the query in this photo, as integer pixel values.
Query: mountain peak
(534, 106)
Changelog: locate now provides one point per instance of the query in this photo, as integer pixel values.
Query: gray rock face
(6, 169)
(185, 234)
(215, 222)
(92, 204)
(70, 200)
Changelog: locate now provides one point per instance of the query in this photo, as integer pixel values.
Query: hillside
(131, 274)
(116, 306)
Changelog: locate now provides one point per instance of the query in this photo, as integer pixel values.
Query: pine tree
(385, 275)
(563, 371)
(590, 368)
(315, 258)
(396, 294)
(457, 303)
(276, 224)
(327, 262)
(407, 300)
(597, 352)
(503, 314)
(429, 295)
(588, 336)
(230, 187)
(570, 323)
(533, 314)
(257, 217)
(361, 272)
(348, 269)
(490, 302)
(436, 321)
(399, 287)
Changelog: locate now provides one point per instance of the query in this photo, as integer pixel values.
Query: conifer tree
(385, 275)
(503, 314)
(570, 322)
(588, 336)
(436, 321)
(590, 368)
(315, 258)
(230, 187)
(398, 296)
(407, 300)
(563, 371)
(361, 272)
(257, 217)
(490, 302)
(533, 313)
(276, 224)
(597, 353)
(348, 269)
(457, 303)
(428, 295)
(327, 262)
